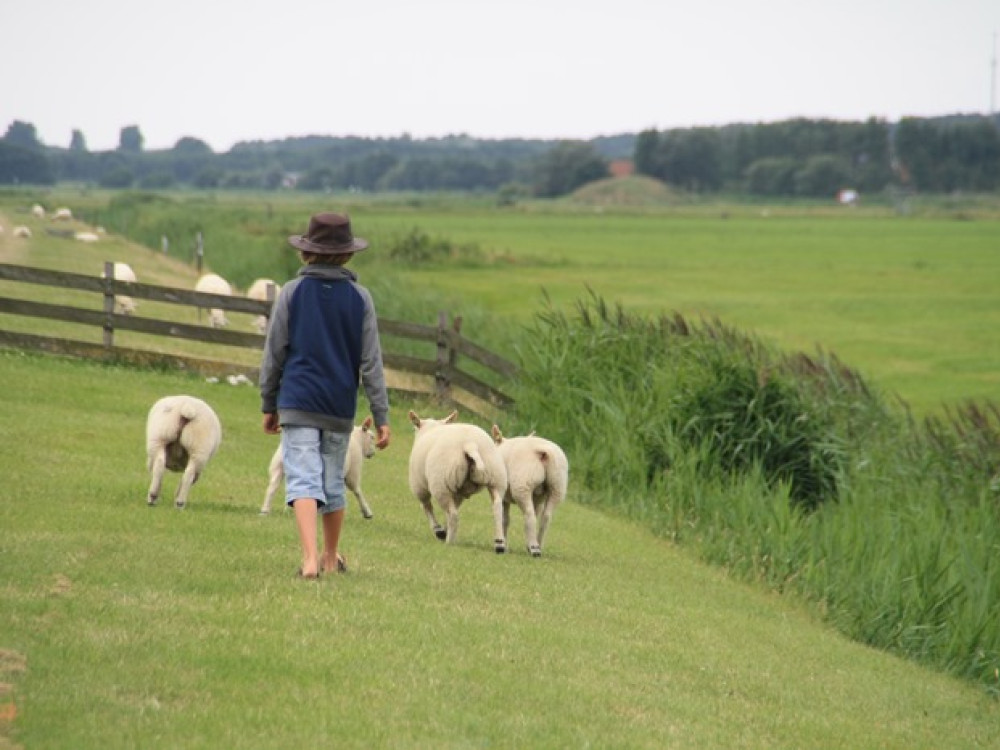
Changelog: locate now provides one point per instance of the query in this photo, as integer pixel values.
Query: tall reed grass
(787, 469)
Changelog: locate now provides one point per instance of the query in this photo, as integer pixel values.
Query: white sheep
(86, 236)
(360, 447)
(258, 291)
(38, 211)
(537, 477)
(21, 231)
(62, 214)
(124, 305)
(451, 462)
(182, 434)
(212, 283)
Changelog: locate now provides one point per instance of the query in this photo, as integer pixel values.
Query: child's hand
(271, 425)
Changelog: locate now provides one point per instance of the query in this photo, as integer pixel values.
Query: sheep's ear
(414, 418)
(497, 435)
(450, 417)
(368, 422)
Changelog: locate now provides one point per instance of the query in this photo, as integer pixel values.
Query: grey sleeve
(275, 351)
(372, 373)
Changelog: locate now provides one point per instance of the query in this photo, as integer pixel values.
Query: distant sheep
(86, 237)
(258, 291)
(62, 214)
(38, 211)
(182, 435)
(537, 477)
(21, 231)
(451, 462)
(212, 283)
(361, 446)
(124, 305)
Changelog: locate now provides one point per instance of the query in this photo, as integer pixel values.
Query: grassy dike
(128, 626)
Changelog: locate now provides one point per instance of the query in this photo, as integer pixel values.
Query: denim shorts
(314, 466)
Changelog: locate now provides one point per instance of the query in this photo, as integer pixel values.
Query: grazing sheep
(212, 283)
(21, 231)
(124, 305)
(537, 477)
(86, 237)
(258, 290)
(38, 211)
(361, 446)
(451, 462)
(62, 214)
(182, 434)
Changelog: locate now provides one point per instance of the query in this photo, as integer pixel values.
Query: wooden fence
(440, 378)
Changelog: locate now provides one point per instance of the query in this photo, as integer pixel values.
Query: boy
(321, 342)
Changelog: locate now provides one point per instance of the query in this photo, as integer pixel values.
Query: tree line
(798, 157)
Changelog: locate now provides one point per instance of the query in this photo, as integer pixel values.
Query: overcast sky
(227, 71)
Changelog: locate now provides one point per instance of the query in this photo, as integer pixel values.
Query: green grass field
(128, 626)
(125, 626)
(909, 300)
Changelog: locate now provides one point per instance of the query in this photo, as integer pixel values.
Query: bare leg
(305, 520)
(332, 524)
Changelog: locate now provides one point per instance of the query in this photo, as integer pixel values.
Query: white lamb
(124, 305)
(537, 477)
(62, 214)
(86, 236)
(258, 291)
(361, 446)
(212, 283)
(38, 211)
(182, 434)
(451, 462)
(21, 231)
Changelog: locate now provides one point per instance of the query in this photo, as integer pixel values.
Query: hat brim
(301, 242)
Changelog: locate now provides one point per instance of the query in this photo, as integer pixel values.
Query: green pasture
(125, 626)
(910, 300)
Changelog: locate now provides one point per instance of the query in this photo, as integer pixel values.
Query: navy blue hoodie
(322, 343)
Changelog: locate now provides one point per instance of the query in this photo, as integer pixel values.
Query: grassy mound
(637, 190)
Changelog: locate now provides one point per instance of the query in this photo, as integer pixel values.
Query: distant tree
(691, 159)
(647, 154)
(192, 147)
(22, 134)
(567, 166)
(772, 176)
(130, 140)
(823, 176)
(209, 177)
(20, 165)
(114, 171)
(157, 181)
(77, 142)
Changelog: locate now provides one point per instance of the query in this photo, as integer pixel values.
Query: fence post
(442, 372)
(109, 304)
(199, 251)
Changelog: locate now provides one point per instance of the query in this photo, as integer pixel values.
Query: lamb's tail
(475, 460)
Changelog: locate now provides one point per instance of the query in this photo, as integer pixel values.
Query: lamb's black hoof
(441, 534)
(535, 551)
(499, 546)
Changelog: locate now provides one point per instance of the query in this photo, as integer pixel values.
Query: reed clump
(786, 468)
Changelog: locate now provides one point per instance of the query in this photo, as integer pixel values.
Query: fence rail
(440, 378)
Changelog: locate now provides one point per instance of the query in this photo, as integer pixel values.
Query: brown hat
(328, 234)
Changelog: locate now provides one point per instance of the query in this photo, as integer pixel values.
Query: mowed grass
(910, 301)
(128, 626)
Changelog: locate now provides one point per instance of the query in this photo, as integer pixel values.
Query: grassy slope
(156, 628)
(153, 628)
